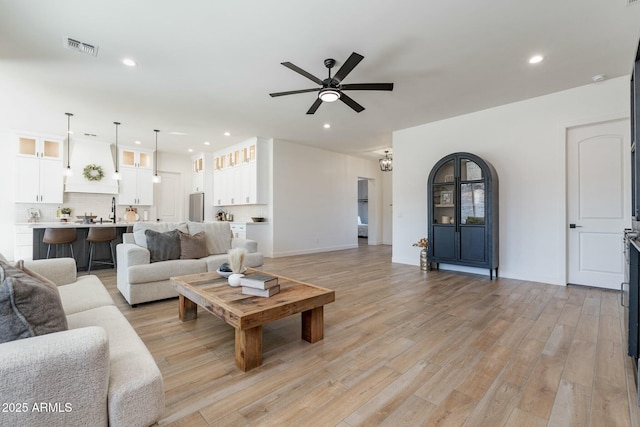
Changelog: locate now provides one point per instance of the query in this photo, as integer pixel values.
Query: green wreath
(93, 172)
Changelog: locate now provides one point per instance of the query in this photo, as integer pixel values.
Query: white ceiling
(206, 67)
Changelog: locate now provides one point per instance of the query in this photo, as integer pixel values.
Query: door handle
(574, 226)
(622, 293)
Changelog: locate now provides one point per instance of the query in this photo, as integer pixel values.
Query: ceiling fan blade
(299, 70)
(314, 106)
(348, 66)
(368, 86)
(293, 92)
(351, 103)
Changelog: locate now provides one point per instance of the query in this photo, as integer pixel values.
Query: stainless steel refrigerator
(196, 207)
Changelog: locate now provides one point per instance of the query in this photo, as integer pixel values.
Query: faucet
(113, 209)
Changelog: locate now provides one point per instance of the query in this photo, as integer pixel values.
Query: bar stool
(59, 236)
(100, 235)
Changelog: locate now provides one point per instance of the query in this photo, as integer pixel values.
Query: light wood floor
(402, 347)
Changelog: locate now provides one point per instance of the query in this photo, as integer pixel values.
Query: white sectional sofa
(141, 278)
(96, 373)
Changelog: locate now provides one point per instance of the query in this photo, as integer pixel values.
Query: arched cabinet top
(463, 166)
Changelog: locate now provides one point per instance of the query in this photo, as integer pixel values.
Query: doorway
(363, 211)
(598, 202)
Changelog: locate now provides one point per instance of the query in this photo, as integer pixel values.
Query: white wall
(315, 195)
(7, 204)
(525, 142)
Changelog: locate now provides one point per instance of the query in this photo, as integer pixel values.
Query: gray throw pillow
(193, 247)
(28, 306)
(163, 246)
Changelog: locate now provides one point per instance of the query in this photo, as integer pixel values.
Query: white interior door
(599, 206)
(168, 197)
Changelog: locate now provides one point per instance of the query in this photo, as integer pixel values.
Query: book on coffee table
(261, 292)
(258, 281)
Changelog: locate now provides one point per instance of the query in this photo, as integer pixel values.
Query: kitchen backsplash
(80, 203)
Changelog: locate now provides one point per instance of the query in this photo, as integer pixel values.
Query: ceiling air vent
(632, 2)
(79, 46)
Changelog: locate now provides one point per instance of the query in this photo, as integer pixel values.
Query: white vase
(234, 279)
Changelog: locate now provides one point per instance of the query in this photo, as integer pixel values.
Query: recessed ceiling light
(227, 134)
(326, 126)
(190, 150)
(138, 142)
(536, 59)
(207, 143)
(178, 133)
(129, 62)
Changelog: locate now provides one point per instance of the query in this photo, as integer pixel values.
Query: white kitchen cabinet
(202, 182)
(23, 242)
(39, 170)
(136, 183)
(240, 174)
(136, 158)
(239, 230)
(136, 187)
(197, 182)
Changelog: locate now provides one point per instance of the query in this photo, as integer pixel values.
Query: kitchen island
(80, 246)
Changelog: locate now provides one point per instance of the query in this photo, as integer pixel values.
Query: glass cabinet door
(470, 171)
(444, 194)
(472, 203)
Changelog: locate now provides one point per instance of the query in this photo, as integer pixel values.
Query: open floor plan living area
(409, 213)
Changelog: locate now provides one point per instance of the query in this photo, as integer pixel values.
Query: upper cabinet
(136, 183)
(136, 157)
(463, 212)
(240, 174)
(39, 167)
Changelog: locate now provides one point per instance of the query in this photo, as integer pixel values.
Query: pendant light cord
(155, 154)
(68, 138)
(117, 154)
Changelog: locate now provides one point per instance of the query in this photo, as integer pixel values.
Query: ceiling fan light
(329, 95)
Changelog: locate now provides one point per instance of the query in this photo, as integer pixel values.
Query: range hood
(91, 153)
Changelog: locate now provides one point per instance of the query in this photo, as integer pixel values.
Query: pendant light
(156, 179)
(116, 175)
(386, 163)
(68, 171)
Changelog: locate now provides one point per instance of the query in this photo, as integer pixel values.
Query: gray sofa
(96, 373)
(141, 280)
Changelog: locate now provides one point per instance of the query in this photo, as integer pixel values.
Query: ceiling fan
(332, 88)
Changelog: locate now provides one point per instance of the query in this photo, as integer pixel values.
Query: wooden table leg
(249, 348)
(187, 309)
(313, 324)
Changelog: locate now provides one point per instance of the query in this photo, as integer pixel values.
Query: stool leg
(90, 257)
(71, 248)
(113, 255)
(48, 250)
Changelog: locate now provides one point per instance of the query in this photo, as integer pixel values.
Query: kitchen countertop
(58, 224)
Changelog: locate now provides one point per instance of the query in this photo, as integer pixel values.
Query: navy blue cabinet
(463, 213)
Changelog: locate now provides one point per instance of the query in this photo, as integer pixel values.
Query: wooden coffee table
(247, 313)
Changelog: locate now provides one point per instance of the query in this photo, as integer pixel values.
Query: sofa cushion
(193, 246)
(163, 246)
(86, 293)
(218, 235)
(139, 229)
(145, 273)
(135, 394)
(28, 306)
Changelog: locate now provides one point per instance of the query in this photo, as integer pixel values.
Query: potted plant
(66, 212)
